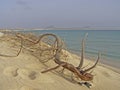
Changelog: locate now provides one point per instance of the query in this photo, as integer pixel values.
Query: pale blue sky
(60, 13)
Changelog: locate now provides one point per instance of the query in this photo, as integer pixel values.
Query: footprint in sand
(106, 74)
(25, 88)
(32, 75)
(28, 88)
(27, 74)
(11, 71)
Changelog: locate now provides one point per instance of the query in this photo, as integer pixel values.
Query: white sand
(24, 73)
(1, 34)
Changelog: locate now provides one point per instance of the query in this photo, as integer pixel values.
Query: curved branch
(82, 51)
(86, 70)
(16, 54)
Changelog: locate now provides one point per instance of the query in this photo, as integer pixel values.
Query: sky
(59, 13)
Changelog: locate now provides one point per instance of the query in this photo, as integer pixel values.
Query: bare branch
(86, 70)
(17, 53)
(82, 51)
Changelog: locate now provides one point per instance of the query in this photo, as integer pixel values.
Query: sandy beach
(23, 72)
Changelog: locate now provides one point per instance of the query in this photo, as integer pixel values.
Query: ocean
(105, 41)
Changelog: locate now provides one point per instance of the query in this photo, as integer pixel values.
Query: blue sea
(105, 41)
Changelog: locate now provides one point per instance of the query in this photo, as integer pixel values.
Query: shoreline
(27, 29)
(114, 69)
(108, 62)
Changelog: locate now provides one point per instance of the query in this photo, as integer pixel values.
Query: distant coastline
(60, 28)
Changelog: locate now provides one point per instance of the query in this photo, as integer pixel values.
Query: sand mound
(1, 34)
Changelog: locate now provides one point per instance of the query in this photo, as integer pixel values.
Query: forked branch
(83, 75)
(86, 70)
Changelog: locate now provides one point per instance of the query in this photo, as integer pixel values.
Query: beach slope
(24, 72)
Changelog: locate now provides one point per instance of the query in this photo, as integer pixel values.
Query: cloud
(19, 2)
(23, 4)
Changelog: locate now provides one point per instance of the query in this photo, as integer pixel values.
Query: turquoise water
(105, 41)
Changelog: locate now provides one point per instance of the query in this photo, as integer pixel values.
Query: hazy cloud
(19, 2)
(24, 4)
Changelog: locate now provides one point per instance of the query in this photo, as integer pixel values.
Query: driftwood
(18, 52)
(82, 74)
(57, 49)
